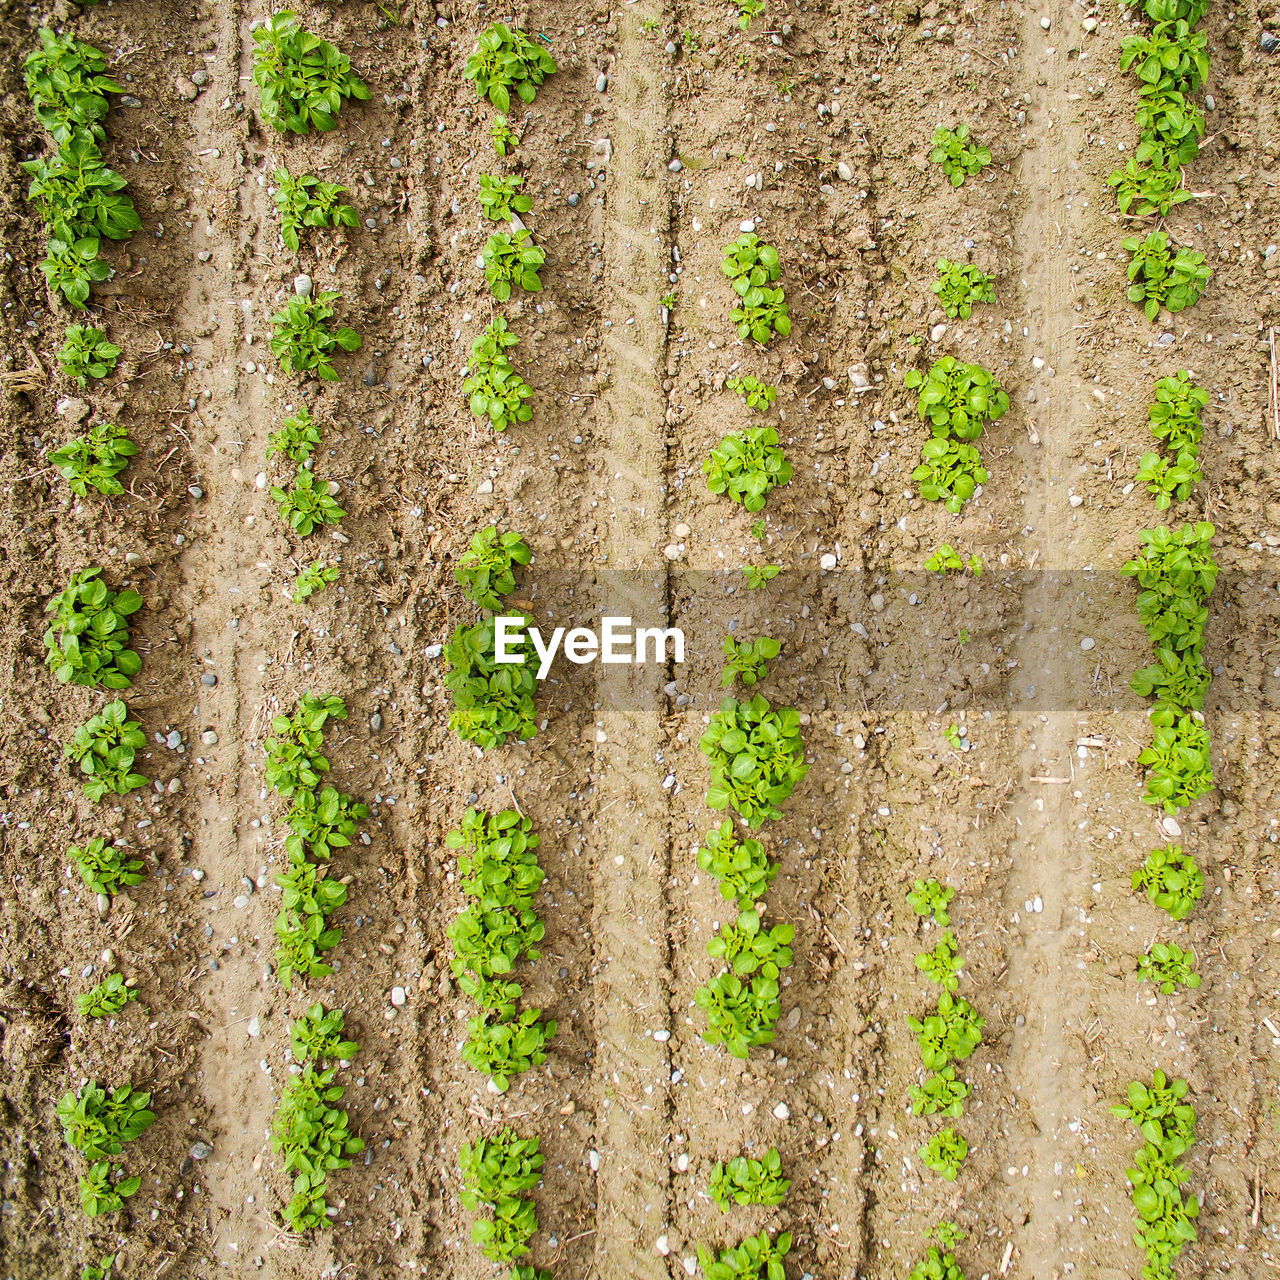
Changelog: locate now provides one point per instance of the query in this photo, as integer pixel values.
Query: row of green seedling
(946, 1036)
(1171, 64)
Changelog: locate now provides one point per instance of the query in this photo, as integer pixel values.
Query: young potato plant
(104, 867)
(315, 1138)
(317, 1037)
(506, 61)
(497, 860)
(950, 472)
(295, 759)
(496, 391)
(320, 822)
(1169, 966)
(748, 947)
(1175, 415)
(756, 395)
(950, 1034)
(102, 1271)
(104, 748)
(740, 1015)
(512, 260)
(313, 578)
(309, 505)
(78, 197)
(937, 1264)
(748, 660)
(944, 1153)
(501, 198)
(960, 286)
(942, 1094)
(1177, 681)
(492, 701)
(297, 437)
(944, 963)
(748, 9)
(748, 1181)
(87, 354)
(306, 201)
(303, 340)
(748, 467)
(93, 461)
(505, 139)
(757, 758)
(491, 943)
(1179, 769)
(1174, 56)
(304, 80)
(1149, 184)
(960, 156)
(1163, 276)
(1169, 478)
(1171, 879)
(758, 574)
(740, 867)
(486, 568)
(97, 1122)
(756, 1258)
(497, 1168)
(103, 1190)
(1176, 571)
(1171, 120)
(303, 934)
(752, 267)
(957, 399)
(501, 1047)
(88, 639)
(110, 996)
(946, 559)
(65, 82)
(72, 266)
(930, 898)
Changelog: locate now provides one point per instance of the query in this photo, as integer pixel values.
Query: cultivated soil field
(979, 730)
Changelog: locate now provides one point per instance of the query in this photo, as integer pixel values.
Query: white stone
(398, 997)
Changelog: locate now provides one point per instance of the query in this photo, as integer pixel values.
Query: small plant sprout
(1175, 414)
(100, 1271)
(759, 574)
(511, 260)
(929, 898)
(757, 758)
(748, 660)
(94, 461)
(744, 1180)
(303, 340)
(104, 749)
(1178, 764)
(691, 40)
(72, 266)
(506, 61)
(1169, 478)
(306, 201)
(668, 301)
(740, 1015)
(950, 472)
(105, 868)
(496, 391)
(748, 9)
(97, 1122)
(65, 82)
(88, 638)
(486, 568)
(495, 1169)
(78, 197)
(950, 1034)
(942, 1094)
(1171, 879)
(304, 80)
(756, 1257)
(957, 399)
(960, 286)
(297, 437)
(87, 354)
(312, 578)
(317, 1037)
(755, 394)
(107, 998)
(1169, 966)
(946, 559)
(1174, 56)
(947, 1234)
(308, 505)
(504, 139)
(1161, 275)
(492, 702)
(1169, 119)
(748, 467)
(501, 198)
(959, 156)
(320, 822)
(944, 1153)
(747, 947)
(759, 530)
(954, 739)
(943, 964)
(1148, 184)
(740, 867)
(502, 1047)
(295, 759)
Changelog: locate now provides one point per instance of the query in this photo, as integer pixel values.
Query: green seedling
(78, 197)
(762, 313)
(691, 40)
(94, 461)
(87, 354)
(744, 1180)
(104, 867)
(505, 140)
(497, 1168)
(1175, 415)
(495, 390)
(937, 1264)
(1177, 681)
(740, 867)
(295, 759)
(1166, 1222)
(758, 574)
(1177, 571)
(748, 467)
(312, 578)
(960, 286)
(946, 559)
(747, 947)
(104, 748)
(1161, 1113)
(504, 1047)
(317, 1037)
(668, 301)
(950, 1034)
(501, 198)
(757, 758)
(1169, 966)
(955, 740)
(944, 963)
(942, 1094)
(107, 998)
(88, 639)
(304, 80)
(740, 1015)
(1179, 769)
(303, 340)
(957, 399)
(497, 861)
(947, 1234)
(297, 437)
(1174, 56)
(748, 9)
(309, 505)
(102, 1190)
(493, 701)
(944, 1153)
(65, 82)
(756, 1258)
(950, 472)
(512, 260)
(306, 201)
(929, 898)
(73, 267)
(1170, 119)
(320, 822)
(1149, 184)
(1161, 275)
(486, 568)
(1169, 478)
(302, 931)
(1190, 11)
(755, 394)
(103, 1269)
(507, 61)
(490, 943)
(959, 156)
(1171, 879)
(759, 530)
(97, 1121)
(750, 263)
(506, 1235)
(748, 660)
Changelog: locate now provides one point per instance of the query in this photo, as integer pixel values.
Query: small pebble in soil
(201, 1151)
(195, 491)
(1087, 643)
(209, 738)
(398, 997)
(1267, 42)
(302, 285)
(208, 680)
(375, 722)
(782, 1112)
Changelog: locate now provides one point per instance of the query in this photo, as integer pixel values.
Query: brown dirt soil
(1039, 825)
